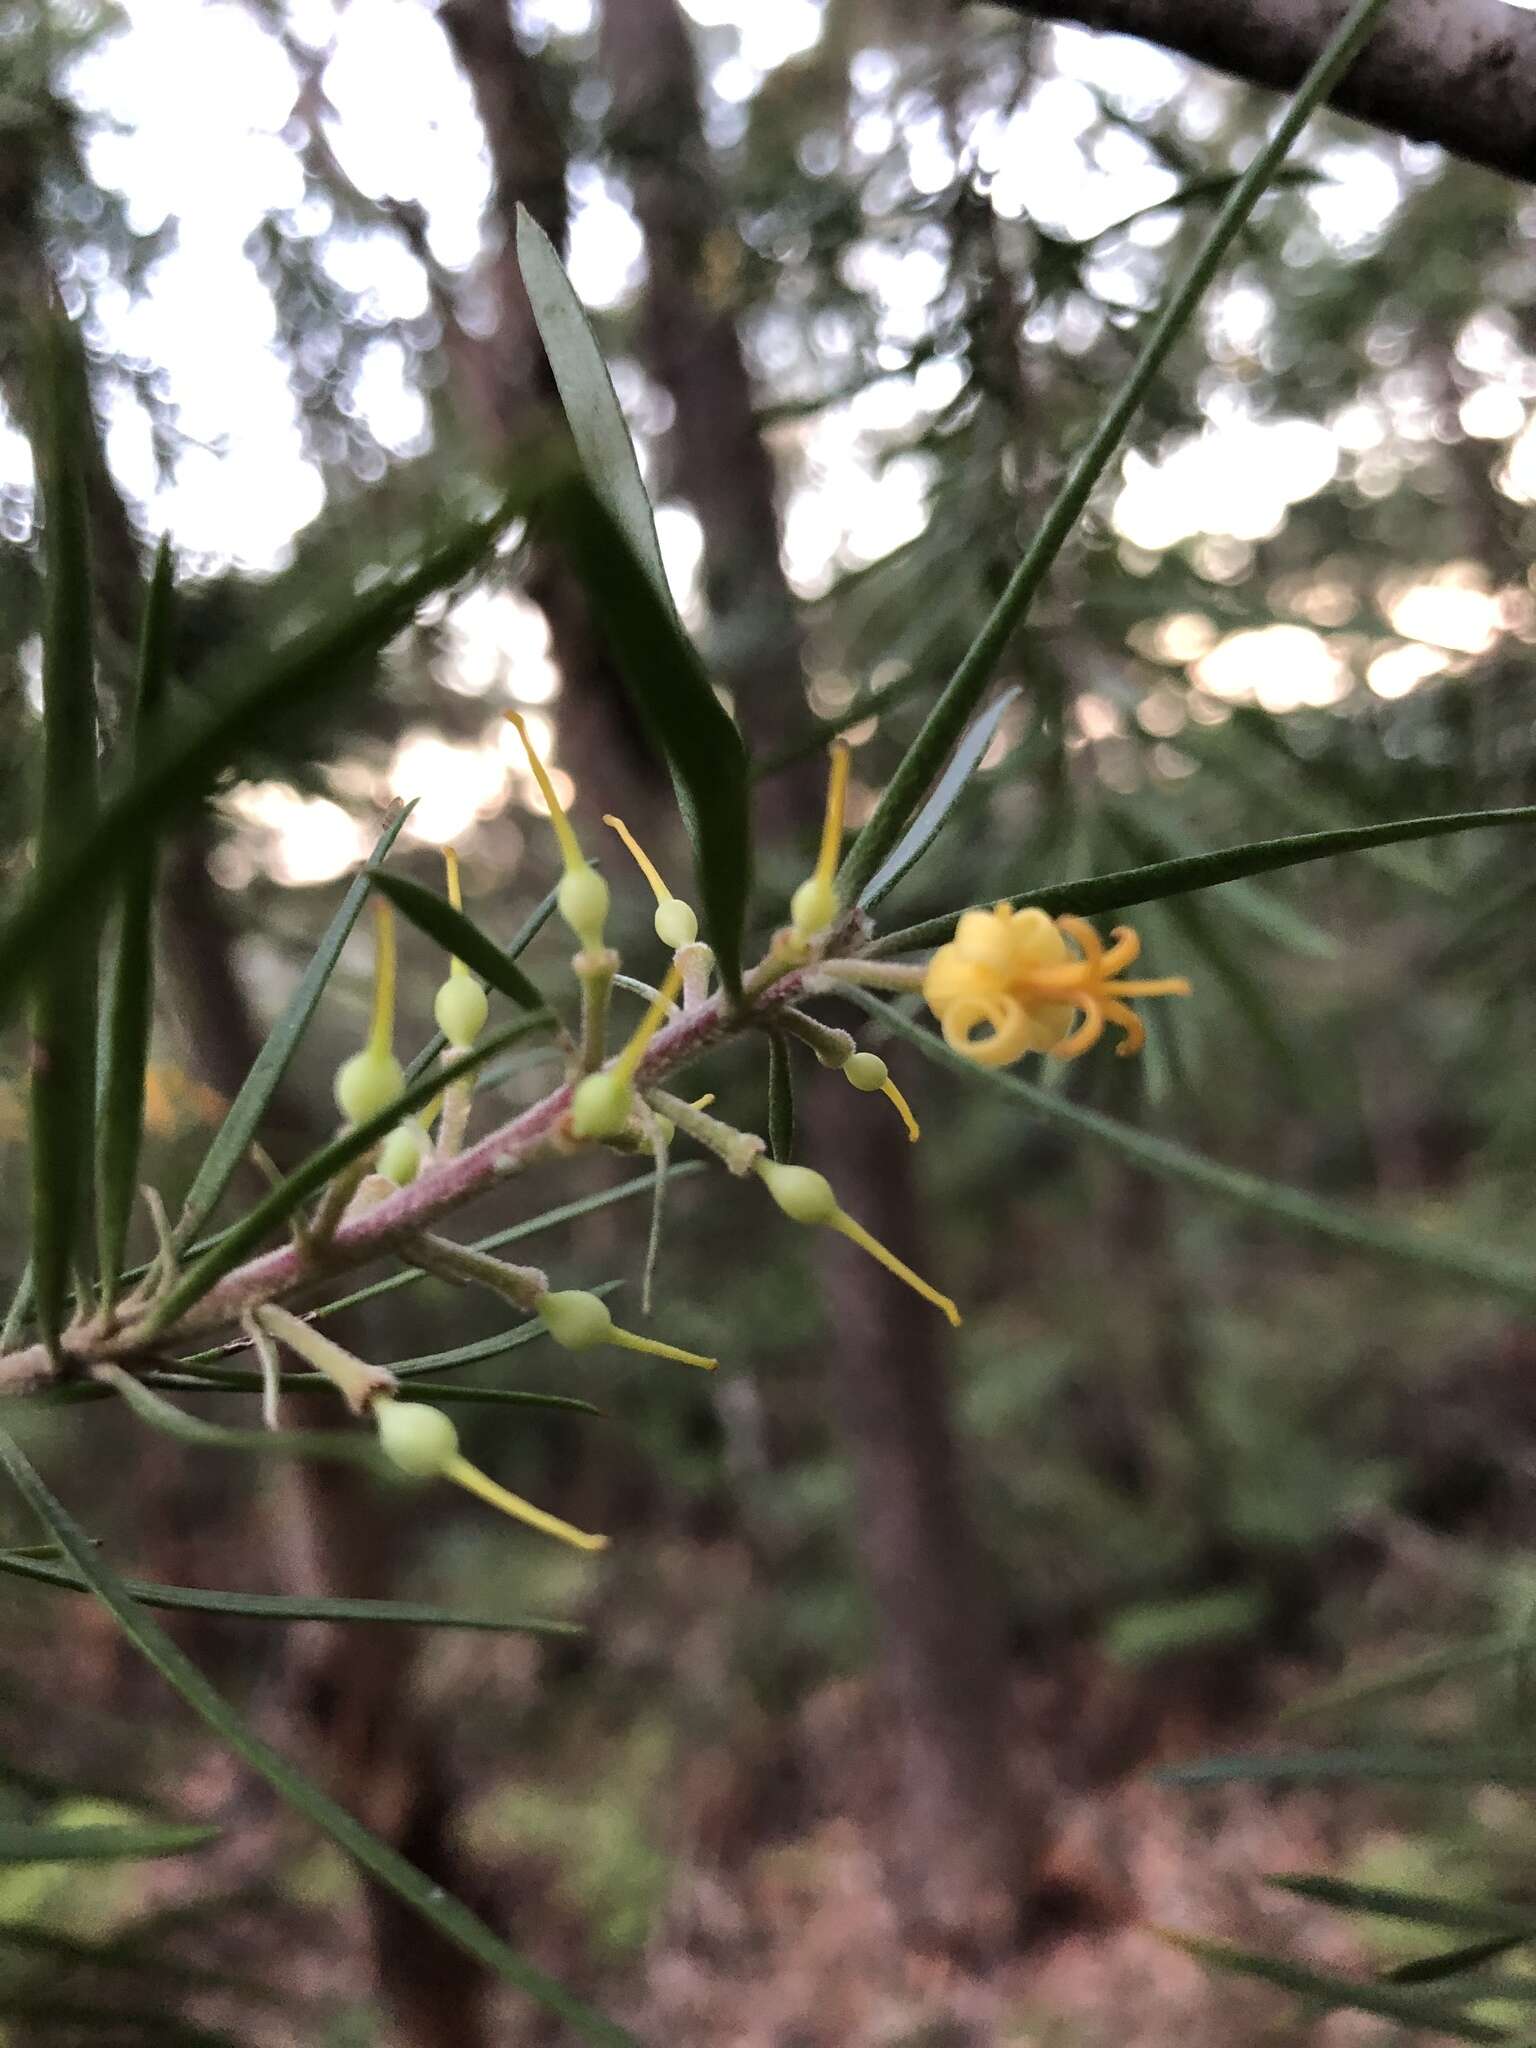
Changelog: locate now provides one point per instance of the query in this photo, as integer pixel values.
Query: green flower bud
(601, 1106)
(419, 1440)
(367, 1083)
(801, 1193)
(867, 1071)
(461, 1007)
(575, 1319)
(582, 900)
(676, 924)
(813, 906)
(401, 1154)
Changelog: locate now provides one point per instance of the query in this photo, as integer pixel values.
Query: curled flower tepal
(461, 1005)
(676, 922)
(578, 1320)
(807, 1197)
(601, 1104)
(1008, 983)
(423, 1442)
(582, 897)
(372, 1078)
(815, 904)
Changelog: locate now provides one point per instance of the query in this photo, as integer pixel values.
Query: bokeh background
(859, 1745)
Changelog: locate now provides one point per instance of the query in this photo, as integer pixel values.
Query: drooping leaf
(943, 797)
(20, 1843)
(1130, 886)
(286, 1606)
(62, 975)
(130, 1005)
(1478, 1264)
(945, 722)
(454, 932)
(1424, 1909)
(350, 1446)
(418, 1892)
(243, 1119)
(690, 727)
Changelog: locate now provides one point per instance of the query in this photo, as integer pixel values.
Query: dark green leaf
(62, 973)
(453, 931)
(131, 1002)
(587, 395)
(21, 1844)
(1130, 886)
(1391, 1764)
(274, 1210)
(239, 709)
(452, 1920)
(286, 1606)
(243, 1119)
(1455, 1962)
(350, 1446)
(671, 689)
(1412, 1677)
(1422, 1908)
(946, 793)
(781, 1099)
(963, 693)
(1478, 1264)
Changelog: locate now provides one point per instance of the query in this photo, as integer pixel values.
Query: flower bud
(803, 1194)
(867, 1071)
(461, 1007)
(575, 1319)
(419, 1440)
(601, 1105)
(676, 923)
(401, 1155)
(582, 900)
(368, 1083)
(813, 906)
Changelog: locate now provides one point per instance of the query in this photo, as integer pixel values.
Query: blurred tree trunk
(964, 1851)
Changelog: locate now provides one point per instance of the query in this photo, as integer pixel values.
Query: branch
(1460, 73)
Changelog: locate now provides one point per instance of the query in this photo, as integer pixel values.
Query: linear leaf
(23, 1844)
(944, 723)
(1405, 1763)
(781, 1099)
(1457, 1259)
(1150, 839)
(1336, 1993)
(287, 1606)
(238, 708)
(946, 793)
(350, 1446)
(1422, 1908)
(453, 931)
(242, 1121)
(1130, 886)
(1411, 1677)
(1456, 1962)
(62, 975)
(452, 1919)
(131, 1001)
(274, 1210)
(591, 405)
(671, 689)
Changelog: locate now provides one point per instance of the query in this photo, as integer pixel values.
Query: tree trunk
(962, 1851)
(1457, 72)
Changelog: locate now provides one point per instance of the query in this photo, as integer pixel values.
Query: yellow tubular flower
(807, 1197)
(461, 1005)
(583, 894)
(1008, 984)
(601, 1104)
(815, 903)
(578, 1320)
(372, 1078)
(867, 1072)
(676, 924)
(423, 1442)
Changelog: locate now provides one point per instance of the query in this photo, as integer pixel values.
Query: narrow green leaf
(233, 1138)
(946, 793)
(591, 405)
(62, 974)
(452, 930)
(452, 1920)
(1336, 1994)
(23, 1844)
(18, 1311)
(945, 721)
(781, 1100)
(1477, 1264)
(273, 1210)
(236, 710)
(287, 1606)
(1411, 1677)
(348, 1446)
(131, 1002)
(1130, 886)
(1456, 1962)
(1149, 838)
(1404, 1763)
(671, 689)
(1422, 1908)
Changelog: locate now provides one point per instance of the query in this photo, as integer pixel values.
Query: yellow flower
(1008, 983)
